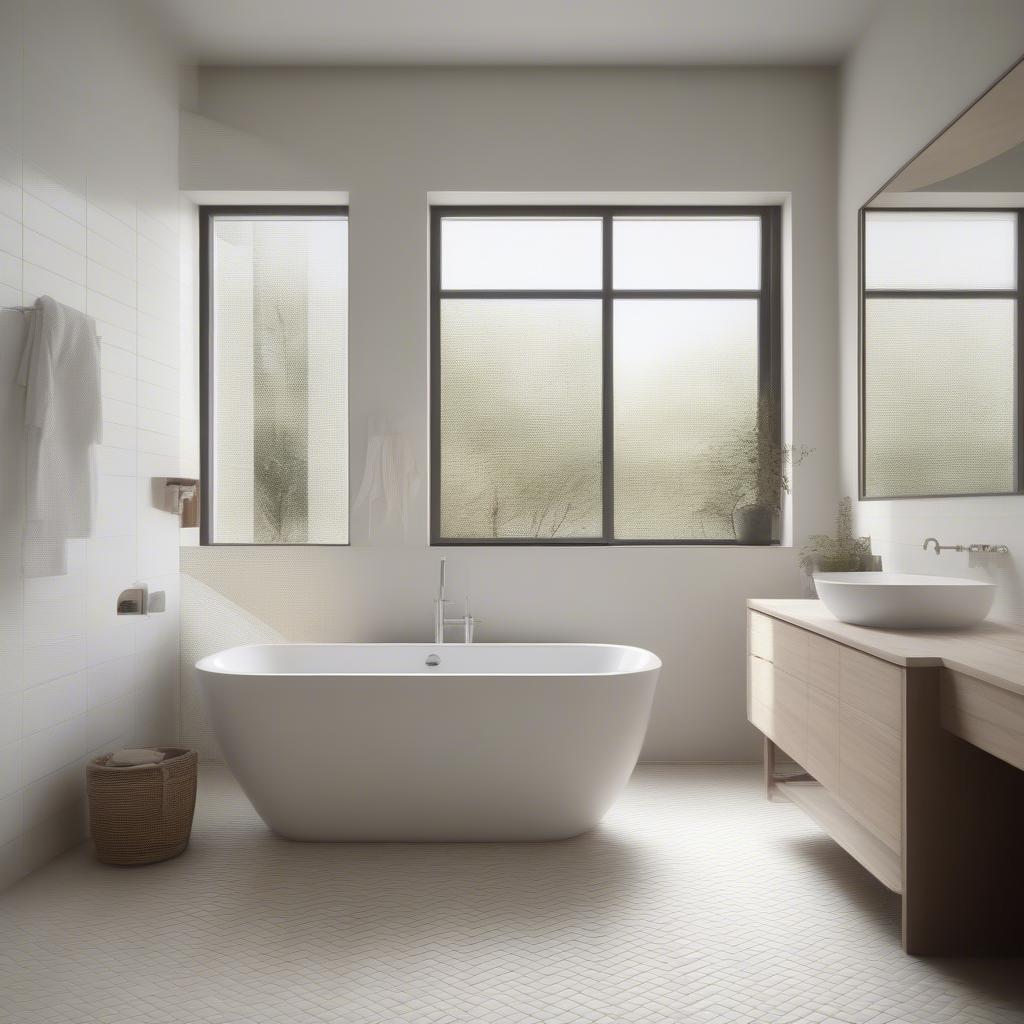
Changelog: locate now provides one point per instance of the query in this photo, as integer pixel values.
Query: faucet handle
(468, 622)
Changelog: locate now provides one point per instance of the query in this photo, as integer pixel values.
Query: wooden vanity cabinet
(923, 811)
(838, 714)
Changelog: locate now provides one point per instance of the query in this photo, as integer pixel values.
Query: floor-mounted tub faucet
(467, 621)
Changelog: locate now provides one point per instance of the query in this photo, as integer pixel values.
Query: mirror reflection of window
(941, 327)
(939, 352)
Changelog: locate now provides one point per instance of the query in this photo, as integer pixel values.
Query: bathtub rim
(653, 663)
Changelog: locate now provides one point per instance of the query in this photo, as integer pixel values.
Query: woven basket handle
(169, 786)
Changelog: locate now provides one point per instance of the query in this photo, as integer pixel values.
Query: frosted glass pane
(687, 252)
(685, 387)
(939, 396)
(524, 253)
(958, 249)
(520, 418)
(280, 416)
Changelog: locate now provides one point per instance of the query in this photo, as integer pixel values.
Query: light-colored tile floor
(696, 901)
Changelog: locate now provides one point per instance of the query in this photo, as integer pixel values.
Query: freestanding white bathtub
(498, 742)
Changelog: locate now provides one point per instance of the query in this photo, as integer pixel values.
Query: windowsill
(692, 544)
(513, 545)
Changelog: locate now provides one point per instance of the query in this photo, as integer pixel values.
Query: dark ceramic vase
(753, 524)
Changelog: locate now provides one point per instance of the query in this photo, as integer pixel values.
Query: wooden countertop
(989, 651)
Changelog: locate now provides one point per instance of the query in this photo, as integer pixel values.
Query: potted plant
(751, 473)
(842, 553)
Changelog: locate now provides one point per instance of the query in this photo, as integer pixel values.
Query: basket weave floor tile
(695, 903)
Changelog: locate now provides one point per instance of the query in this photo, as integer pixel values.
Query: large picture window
(595, 370)
(273, 369)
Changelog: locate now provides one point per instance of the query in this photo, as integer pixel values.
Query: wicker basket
(142, 814)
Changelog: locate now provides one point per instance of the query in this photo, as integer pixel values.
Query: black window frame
(207, 214)
(1016, 294)
(768, 295)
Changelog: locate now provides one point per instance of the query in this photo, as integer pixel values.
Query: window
(273, 375)
(940, 352)
(593, 367)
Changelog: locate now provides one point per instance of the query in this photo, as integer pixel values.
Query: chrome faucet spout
(932, 540)
(439, 603)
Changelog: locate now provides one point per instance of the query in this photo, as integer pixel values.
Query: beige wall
(919, 65)
(390, 137)
(89, 215)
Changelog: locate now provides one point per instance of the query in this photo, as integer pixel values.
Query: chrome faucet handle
(469, 623)
(939, 548)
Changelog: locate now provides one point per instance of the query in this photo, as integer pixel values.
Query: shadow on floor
(841, 874)
(993, 979)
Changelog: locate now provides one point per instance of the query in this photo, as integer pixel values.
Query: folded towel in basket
(132, 758)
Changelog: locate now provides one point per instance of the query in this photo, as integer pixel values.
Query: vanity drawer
(777, 705)
(785, 646)
(872, 686)
(823, 664)
(791, 649)
(822, 743)
(870, 773)
(760, 642)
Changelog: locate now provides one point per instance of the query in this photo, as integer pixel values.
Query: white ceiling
(420, 32)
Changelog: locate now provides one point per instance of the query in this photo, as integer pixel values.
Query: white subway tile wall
(89, 213)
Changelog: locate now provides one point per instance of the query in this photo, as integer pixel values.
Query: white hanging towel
(60, 370)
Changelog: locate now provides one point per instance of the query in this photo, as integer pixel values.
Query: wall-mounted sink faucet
(467, 621)
(939, 548)
(984, 549)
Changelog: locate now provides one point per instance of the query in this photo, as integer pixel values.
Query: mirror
(942, 318)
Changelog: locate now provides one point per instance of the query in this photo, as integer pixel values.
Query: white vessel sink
(893, 600)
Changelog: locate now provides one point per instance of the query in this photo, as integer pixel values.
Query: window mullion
(607, 385)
